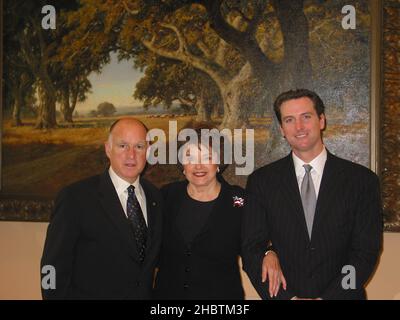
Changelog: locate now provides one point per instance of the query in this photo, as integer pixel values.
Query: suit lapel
(113, 209)
(292, 193)
(329, 183)
(152, 209)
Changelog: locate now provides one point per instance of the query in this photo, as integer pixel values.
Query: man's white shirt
(121, 187)
(318, 165)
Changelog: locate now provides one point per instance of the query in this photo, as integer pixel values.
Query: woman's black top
(192, 216)
(201, 245)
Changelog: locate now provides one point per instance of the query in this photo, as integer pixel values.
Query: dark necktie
(135, 215)
(308, 198)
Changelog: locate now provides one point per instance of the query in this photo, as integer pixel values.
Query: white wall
(21, 245)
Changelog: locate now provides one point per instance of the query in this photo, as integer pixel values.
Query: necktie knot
(307, 167)
(131, 190)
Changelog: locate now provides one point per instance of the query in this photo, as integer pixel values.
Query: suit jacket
(347, 229)
(206, 268)
(91, 245)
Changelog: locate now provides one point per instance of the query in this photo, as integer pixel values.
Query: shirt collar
(318, 163)
(121, 185)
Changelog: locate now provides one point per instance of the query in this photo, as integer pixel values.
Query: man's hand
(271, 269)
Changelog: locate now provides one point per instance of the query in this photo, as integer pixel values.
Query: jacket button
(185, 286)
(187, 269)
(188, 253)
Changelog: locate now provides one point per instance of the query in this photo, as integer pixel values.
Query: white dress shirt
(121, 186)
(317, 170)
(318, 164)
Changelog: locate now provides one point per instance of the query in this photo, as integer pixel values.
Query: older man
(105, 232)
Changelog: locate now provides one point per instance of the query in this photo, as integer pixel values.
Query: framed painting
(71, 68)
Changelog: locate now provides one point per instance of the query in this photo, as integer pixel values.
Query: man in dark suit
(322, 213)
(105, 232)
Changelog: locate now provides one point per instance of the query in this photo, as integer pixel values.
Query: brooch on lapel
(238, 202)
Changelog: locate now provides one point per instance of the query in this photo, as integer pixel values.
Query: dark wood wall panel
(390, 139)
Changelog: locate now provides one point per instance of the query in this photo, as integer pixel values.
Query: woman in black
(201, 233)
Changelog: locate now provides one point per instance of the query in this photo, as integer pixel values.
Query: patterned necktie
(308, 198)
(135, 215)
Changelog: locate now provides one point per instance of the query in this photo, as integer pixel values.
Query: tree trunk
(296, 70)
(75, 93)
(203, 112)
(16, 115)
(236, 114)
(203, 107)
(66, 109)
(218, 109)
(47, 98)
(47, 108)
(21, 87)
(237, 102)
(68, 115)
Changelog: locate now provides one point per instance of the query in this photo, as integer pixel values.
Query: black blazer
(206, 268)
(347, 228)
(90, 243)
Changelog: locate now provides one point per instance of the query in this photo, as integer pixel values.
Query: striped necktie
(308, 198)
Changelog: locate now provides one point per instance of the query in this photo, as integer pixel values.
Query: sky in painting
(115, 84)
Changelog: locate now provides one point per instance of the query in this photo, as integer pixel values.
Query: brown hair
(297, 94)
